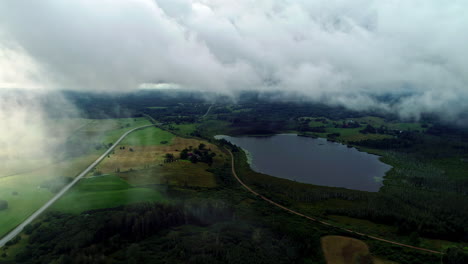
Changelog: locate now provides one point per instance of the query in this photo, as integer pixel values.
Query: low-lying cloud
(343, 52)
(29, 137)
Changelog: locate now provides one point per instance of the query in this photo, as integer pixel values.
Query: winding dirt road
(320, 221)
(13, 233)
(207, 111)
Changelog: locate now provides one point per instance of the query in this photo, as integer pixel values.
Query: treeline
(177, 113)
(200, 231)
(92, 105)
(257, 116)
(105, 231)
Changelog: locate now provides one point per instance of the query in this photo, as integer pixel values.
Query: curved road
(320, 221)
(31, 218)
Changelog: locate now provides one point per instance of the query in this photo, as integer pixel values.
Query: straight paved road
(20, 227)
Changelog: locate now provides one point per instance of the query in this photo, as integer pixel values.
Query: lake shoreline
(312, 160)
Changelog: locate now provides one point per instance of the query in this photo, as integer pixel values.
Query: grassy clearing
(353, 134)
(143, 157)
(29, 195)
(148, 136)
(184, 129)
(211, 128)
(20, 206)
(103, 192)
(377, 122)
(108, 130)
(344, 250)
(347, 250)
(180, 173)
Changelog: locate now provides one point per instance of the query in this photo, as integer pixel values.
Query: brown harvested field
(145, 164)
(347, 250)
(382, 261)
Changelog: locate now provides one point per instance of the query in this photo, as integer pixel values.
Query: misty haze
(344, 123)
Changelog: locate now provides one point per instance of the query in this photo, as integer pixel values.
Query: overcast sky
(339, 51)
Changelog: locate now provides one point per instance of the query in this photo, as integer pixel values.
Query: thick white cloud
(345, 52)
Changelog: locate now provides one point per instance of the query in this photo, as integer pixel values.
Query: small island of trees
(200, 154)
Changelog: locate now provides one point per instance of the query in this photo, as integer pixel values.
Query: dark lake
(314, 161)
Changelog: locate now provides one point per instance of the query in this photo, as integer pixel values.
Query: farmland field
(130, 173)
(148, 136)
(26, 190)
(103, 192)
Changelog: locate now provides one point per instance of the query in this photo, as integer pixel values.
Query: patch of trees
(348, 124)
(455, 255)
(223, 175)
(402, 255)
(169, 157)
(384, 130)
(404, 140)
(200, 154)
(368, 130)
(304, 127)
(386, 143)
(333, 136)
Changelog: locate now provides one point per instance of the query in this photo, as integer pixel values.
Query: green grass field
(148, 136)
(103, 192)
(353, 134)
(185, 129)
(26, 182)
(122, 125)
(181, 173)
(20, 206)
(377, 122)
(29, 195)
(107, 130)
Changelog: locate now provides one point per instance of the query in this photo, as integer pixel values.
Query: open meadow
(347, 250)
(28, 188)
